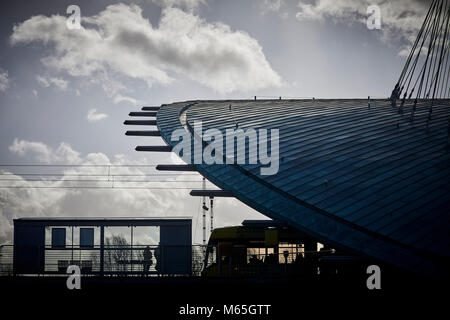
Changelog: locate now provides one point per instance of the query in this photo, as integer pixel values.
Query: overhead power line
(93, 187)
(99, 180)
(97, 175)
(78, 165)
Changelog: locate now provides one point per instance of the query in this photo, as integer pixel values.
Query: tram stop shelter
(49, 245)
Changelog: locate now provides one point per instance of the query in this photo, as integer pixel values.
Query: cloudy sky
(64, 93)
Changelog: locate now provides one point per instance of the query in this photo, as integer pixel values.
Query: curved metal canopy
(369, 180)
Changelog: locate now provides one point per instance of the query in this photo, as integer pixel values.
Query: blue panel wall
(29, 248)
(176, 249)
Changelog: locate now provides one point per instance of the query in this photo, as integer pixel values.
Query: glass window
(58, 237)
(86, 237)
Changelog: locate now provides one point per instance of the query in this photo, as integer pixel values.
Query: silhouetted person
(157, 253)
(299, 259)
(271, 263)
(255, 264)
(300, 263)
(147, 259)
(254, 260)
(271, 259)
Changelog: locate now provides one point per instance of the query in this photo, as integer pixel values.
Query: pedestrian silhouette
(157, 253)
(147, 259)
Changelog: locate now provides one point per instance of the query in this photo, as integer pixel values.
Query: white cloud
(119, 41)
(4, 80)
(309, 12)
(189, 5)
(94, 116)
(271, 6)
(44, 153)
(120, 98)
(47, 81)
(400, 18)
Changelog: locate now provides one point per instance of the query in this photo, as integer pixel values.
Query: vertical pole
(212, 213)
(38, 262)
(131, 251)
(72, 246)
(368, 98)
(204, 213)
(219, 261)
(310, 248)
(102, 249)
(413, 109)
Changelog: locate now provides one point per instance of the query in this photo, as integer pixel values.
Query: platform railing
(151, 260)
(117, 260)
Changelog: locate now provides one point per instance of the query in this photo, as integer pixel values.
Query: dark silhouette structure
(34, 255)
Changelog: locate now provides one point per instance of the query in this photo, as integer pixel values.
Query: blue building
(355, 175)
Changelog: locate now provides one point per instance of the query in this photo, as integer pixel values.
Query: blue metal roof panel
(386, 174)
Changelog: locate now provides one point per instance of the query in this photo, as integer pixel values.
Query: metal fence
(95, 260)
(193, 261)
(6, 260)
